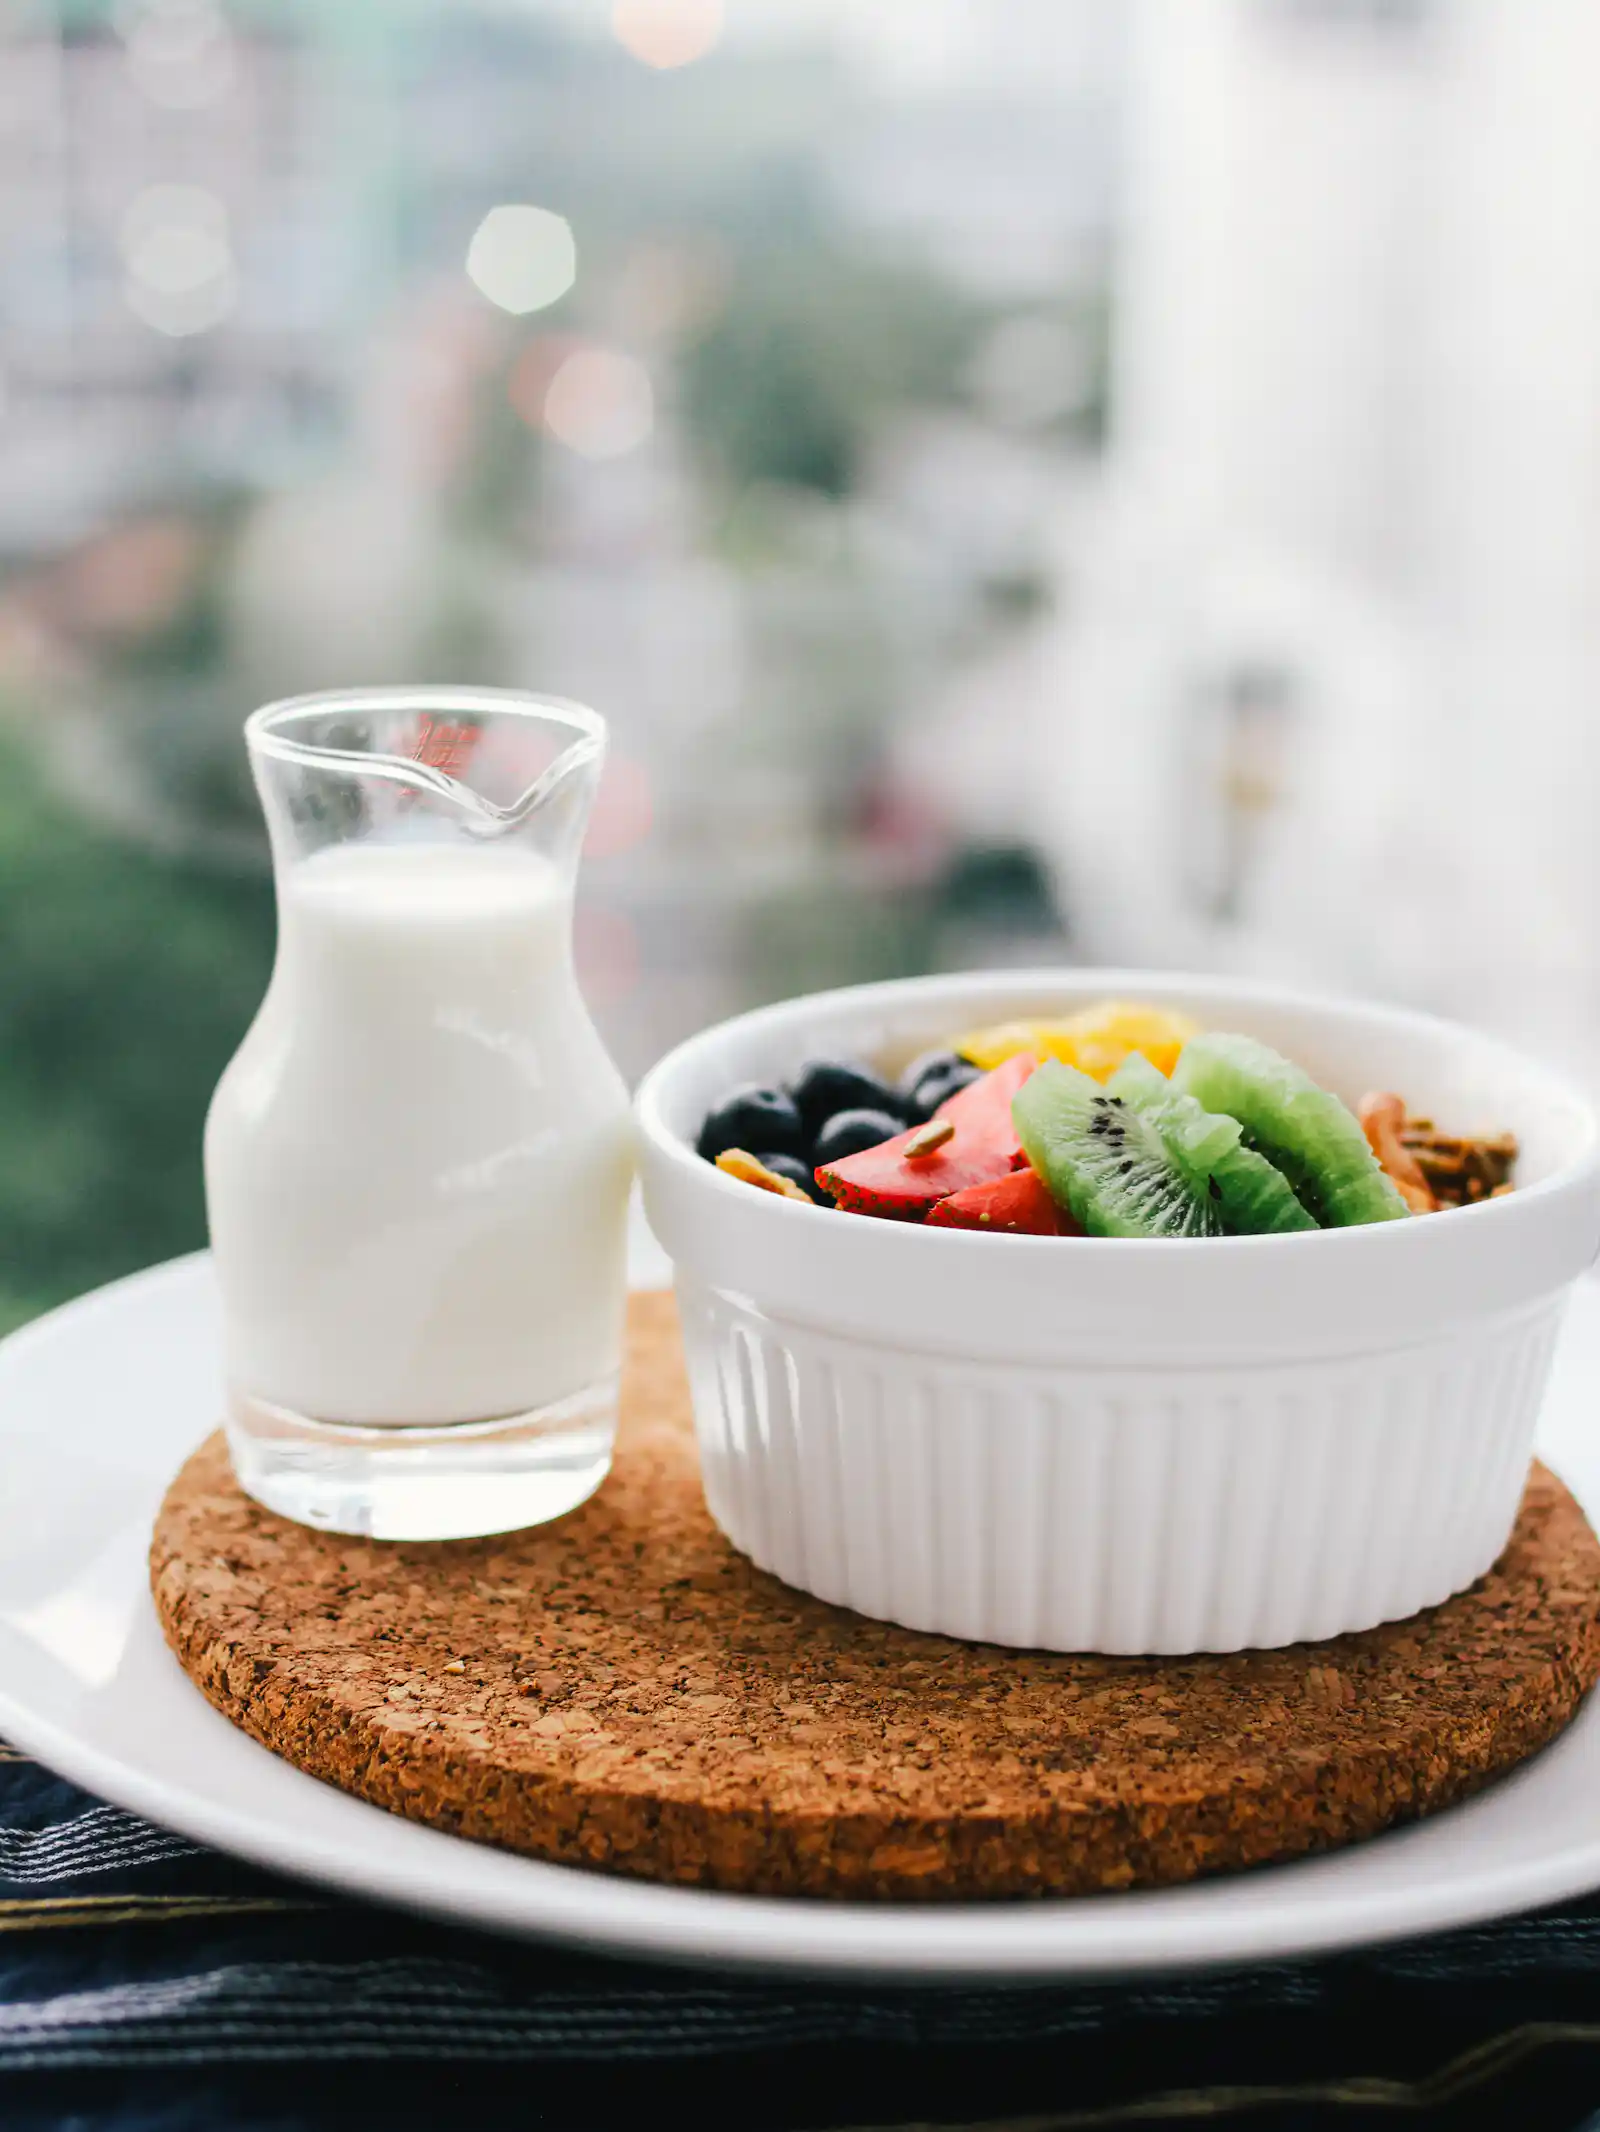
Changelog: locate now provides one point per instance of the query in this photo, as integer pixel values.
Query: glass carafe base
(416, 1482)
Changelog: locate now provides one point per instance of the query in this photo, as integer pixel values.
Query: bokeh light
(535, 364)
(180, 53)
(605, 949)
(600, 403)
(130, 579)
(624, 808)
(669, 291)
(522, 258)
(667, 33)
(178, 259)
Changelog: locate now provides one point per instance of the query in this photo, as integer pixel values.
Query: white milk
(417, 1164)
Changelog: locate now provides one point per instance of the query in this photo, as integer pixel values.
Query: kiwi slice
(1304, 1130)
(1106, 1160)
(1252, 1196)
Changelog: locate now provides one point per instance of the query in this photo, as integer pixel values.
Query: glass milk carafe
(417, 1164)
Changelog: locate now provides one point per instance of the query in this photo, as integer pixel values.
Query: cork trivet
(622, 1690)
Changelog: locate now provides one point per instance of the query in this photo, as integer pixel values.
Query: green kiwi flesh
(1105, 1160)
(1301, 1128)
(1251, 1195)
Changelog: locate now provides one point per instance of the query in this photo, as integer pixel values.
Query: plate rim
(1081, 1939)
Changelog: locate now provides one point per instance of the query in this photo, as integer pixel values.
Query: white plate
(99, 1404)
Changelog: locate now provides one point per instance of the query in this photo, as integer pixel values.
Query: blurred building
(260, 433)
(189, 235)
(1327, 704)
(993, 148)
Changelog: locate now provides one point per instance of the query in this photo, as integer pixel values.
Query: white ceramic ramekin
(1103, 1445)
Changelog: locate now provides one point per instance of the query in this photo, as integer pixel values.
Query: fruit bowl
(1106, 1444)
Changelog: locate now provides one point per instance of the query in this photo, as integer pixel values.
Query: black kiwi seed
(1213, 1188)
(1125, 1176)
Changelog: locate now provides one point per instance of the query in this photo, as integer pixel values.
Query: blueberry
(752, 1117)
(923, 1064)
(797, 1172)
(847, 1132)
(824, 1087)
(934, 1079)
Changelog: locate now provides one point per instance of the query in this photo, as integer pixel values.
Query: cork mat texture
(622, 1690)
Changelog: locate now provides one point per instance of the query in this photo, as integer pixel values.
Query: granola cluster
(1433, 1170)
(1460, 1170)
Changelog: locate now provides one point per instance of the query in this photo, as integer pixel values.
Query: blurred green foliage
(831, 933)
(840, 930)
(126, 981)
(127, 977)
(795, 376)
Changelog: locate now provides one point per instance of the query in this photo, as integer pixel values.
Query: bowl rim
(668, 1145)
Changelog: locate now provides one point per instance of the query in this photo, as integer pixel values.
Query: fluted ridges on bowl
(1127, 1510)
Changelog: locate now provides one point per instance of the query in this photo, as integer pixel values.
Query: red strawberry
(885, 1182)
(1019, 1203)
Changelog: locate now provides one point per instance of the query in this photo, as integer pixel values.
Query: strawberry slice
(885, 1182)
(1019, 1203)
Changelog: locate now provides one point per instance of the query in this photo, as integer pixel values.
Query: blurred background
(1026, 480)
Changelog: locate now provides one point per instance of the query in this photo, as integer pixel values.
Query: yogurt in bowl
(1106, 1444)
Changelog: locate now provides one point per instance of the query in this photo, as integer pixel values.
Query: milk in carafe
(417, 1172)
